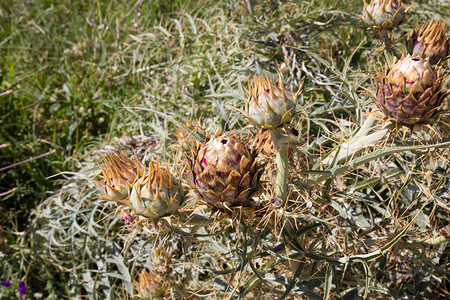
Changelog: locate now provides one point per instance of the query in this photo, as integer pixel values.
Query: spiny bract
(224, 172)
(429, 41)
(263, 144)
(410, 91)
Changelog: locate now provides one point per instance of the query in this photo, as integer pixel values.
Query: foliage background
(70, 73)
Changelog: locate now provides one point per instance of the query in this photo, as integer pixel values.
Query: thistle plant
(346, 206)
(409, 92)
(150, 287)
(383, 16)
(263, 145)
(262, 142)
(267, 104)
(157, 281)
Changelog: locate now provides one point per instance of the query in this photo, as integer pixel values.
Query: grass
(72, 76)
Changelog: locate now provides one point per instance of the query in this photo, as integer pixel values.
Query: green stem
(281, 160)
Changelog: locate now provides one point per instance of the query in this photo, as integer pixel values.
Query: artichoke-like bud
(224, 172)
(383, 14)
(157, 282)
(151, 286)
(410, 91)
(156, 194)
(429, 41)
(119, 172)
(269, 105)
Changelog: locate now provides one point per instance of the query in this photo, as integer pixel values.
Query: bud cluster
(411, 90)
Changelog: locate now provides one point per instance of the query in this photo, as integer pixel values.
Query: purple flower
(5, 283)
(22, 288)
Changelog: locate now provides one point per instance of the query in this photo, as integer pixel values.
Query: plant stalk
(281, 160)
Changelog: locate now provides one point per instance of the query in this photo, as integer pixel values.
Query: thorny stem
(281, 160)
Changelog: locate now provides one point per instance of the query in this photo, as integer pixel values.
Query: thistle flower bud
(263, 144)
(269, 105)
(156, 194)
(224, 172)
(430, 41)
(119, 172)
(151, 286)
(158, 282)
(383, 14)
(410, 91)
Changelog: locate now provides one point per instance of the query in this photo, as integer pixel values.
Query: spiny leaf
(328, 282)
